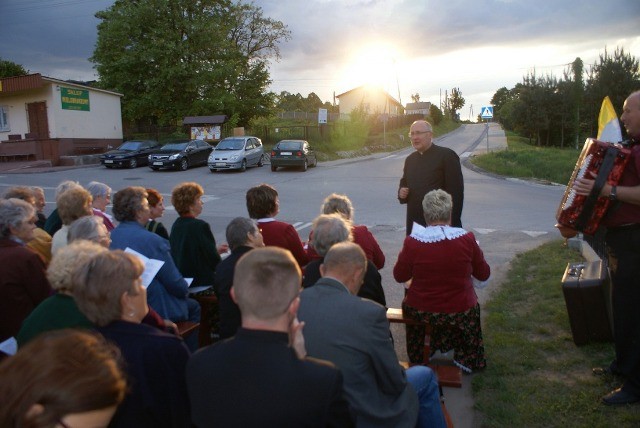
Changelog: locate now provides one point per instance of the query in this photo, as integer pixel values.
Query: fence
(272, 134)
(311, 116)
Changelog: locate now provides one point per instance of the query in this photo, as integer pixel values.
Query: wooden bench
(448, 375)
(185, 328)
(207, 304)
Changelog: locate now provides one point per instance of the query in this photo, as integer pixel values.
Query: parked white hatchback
(236, 153)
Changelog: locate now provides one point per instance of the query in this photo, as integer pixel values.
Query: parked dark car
(296, 153)
(130, 154)
(180, 155)
(237, 153)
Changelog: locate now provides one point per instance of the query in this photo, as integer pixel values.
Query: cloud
(477, 45)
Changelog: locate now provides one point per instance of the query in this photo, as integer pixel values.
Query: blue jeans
(424, 382)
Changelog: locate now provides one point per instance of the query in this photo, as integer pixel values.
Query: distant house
(47, 118)
(421, 107)
(373, 100)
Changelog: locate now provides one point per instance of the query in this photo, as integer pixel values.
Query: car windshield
(234, 144)
(288, 145)
(130, 145)
(174, 146)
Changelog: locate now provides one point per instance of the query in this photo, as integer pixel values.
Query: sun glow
(373, 64)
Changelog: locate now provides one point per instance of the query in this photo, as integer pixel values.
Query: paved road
(507, 216)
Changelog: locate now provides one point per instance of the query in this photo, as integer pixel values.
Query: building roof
(375, 88)
(36, 81)
(205, 120)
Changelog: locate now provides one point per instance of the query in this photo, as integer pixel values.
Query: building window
(4, 119)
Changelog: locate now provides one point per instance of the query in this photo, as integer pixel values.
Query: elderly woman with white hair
(23, 283)
(440, 263)
(341, 204)
(89, 228)
(331, 229)
(101, 194)
(60, 310)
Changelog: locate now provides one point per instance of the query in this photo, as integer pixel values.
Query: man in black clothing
(262, 377)
(430, 167)
(243, 235)
(623, 248)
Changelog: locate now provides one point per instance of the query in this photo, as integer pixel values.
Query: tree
(415, 97)
(577, 94)
(9, 69)
(455, 102)
(615, 76)
(499, 99)
(176, 58)
(435, 114)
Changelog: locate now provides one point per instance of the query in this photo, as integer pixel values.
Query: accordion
(606, 162)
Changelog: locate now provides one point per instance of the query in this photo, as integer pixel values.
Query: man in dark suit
(353, 333)
(243, 235)
(261, 376)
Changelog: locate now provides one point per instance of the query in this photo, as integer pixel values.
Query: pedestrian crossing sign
(486, 112)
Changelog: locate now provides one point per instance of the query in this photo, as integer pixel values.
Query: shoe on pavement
(619, 396)
(602, 371)
(605, 371)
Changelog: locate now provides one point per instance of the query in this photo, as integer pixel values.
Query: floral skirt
(459, 331)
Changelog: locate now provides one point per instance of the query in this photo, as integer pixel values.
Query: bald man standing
(623, 247)
(429, 168)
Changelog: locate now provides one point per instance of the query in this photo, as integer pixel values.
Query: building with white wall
(50, 118)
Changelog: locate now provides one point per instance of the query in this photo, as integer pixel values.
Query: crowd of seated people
(92, 289)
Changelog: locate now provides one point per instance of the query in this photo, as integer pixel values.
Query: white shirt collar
(432, 234)
(265, 220)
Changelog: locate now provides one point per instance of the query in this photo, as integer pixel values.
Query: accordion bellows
(605, 162)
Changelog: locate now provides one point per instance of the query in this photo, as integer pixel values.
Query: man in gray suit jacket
(353, 333)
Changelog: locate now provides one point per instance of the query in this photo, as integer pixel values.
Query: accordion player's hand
(584, 185)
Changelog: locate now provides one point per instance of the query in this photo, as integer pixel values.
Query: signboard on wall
(74, 99)
(205, 133)
(322, 115)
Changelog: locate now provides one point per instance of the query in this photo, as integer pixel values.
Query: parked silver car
(236, 153)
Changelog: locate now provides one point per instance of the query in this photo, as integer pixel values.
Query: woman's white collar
(431, 234)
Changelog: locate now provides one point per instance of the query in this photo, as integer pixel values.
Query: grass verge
(523, 160)
(536, 376)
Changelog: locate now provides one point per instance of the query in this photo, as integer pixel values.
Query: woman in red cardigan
(440, 262)
(263, 205)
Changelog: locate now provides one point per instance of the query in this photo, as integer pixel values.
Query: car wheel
(261, 161)
(184, 164)
(212, 170)
(305, 165)
(243, 166)
(274, 168)
(133, 163)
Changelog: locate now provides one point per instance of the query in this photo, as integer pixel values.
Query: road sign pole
(487, 135)
(487, 113)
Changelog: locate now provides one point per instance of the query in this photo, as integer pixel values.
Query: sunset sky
(405, 46)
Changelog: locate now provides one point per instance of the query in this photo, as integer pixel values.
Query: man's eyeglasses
(416, 133)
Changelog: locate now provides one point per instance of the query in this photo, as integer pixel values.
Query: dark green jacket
(194, 251)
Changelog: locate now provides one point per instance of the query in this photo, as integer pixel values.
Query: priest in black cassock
(430, 167)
